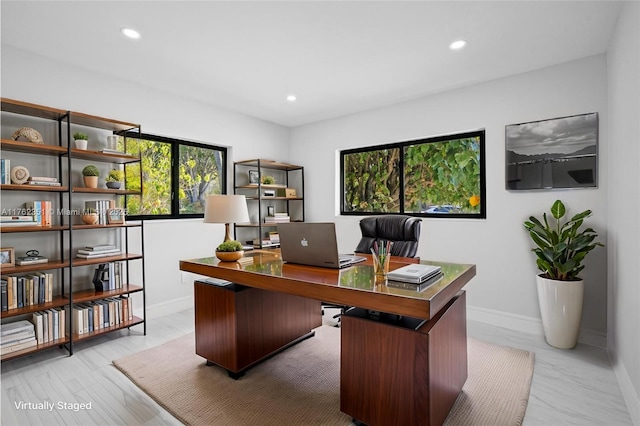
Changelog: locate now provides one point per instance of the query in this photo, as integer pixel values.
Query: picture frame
(271, 211)
(556, 153)
(254, 177)
(115, 216)
(7, 256)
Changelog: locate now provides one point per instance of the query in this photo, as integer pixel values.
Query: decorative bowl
(229, 256)
(114, 185)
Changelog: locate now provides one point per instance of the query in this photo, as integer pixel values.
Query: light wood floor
(575, 387)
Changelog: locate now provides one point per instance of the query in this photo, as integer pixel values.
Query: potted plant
(229, 251)
(268, 180)
(561, 248)
(81, 140)
(89, 216)
(90, 175)
(114, 179)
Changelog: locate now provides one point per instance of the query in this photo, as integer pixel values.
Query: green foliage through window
(441, 176)
(176, 176)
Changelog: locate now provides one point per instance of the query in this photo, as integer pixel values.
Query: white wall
(35, 79)
(623, 241)
(499, 245)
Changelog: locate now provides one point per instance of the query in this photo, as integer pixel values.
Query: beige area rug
(301, 386)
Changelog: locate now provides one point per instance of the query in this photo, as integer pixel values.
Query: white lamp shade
(226, 209)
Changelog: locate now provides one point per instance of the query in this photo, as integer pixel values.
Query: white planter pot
(561, 310)
(81, 144)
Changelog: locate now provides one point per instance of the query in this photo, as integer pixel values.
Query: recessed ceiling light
(130, 33)
(457, 45)
(291, 98)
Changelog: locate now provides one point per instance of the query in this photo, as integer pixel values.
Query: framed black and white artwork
(555, 153)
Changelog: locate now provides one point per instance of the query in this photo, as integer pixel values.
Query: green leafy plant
(80, 136)
(561, 246)
(230, 245)
(268, 180)
(115, 175)
(90, 170)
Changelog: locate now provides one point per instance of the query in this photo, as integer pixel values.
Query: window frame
(481, 214)
(175, 166)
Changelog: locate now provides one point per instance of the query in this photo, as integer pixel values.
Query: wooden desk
(405, 364)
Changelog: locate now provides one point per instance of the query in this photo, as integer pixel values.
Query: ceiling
(337, 57)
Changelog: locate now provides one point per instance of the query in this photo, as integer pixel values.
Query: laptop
(313, 244)
(415, 273)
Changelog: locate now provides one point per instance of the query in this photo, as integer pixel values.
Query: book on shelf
(101, 207)
(42, 183)
(17, 218)
(5, 173)
(30, 260)
(277, 219)
(15, 327)
(40, 210)
(99, 252)
(4, 296)
(42, 179)
(19, 347)
(98, 255)
(99, 247)
(18, 224)
(113, 151)
(16, 339)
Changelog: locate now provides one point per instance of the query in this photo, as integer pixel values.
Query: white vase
(81, 144)
(561, 310)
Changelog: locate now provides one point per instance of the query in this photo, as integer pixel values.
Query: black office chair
(404, 231)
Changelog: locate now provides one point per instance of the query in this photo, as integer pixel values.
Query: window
(177, 176)
(435, 177)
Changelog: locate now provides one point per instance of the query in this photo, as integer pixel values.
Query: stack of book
(277, 218)
(43, 181)
(96, 251)
(5, 171)
(20, 220)
(40, 210)
(17, 336)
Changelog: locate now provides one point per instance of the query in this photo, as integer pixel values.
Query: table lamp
(226, 209)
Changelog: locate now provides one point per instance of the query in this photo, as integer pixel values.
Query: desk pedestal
(403, 372)
(236, 326)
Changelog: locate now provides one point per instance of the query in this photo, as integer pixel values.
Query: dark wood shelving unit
(65, 157)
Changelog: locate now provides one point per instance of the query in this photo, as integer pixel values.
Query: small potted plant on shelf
(229, 251)
(89, 216)
(561, 248)
(81, 140)
(114, 179)
(90, 175)
(268, 180)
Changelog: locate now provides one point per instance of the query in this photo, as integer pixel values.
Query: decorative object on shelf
(229, 251)
(226, 209)
(114, 179)
(115, 216)
(32, 257)
(268, 180)
(556, 153)
(271, 211)
(19, 175)
(7, 256)
(254, 177)
(286, 192)
(90, 175)
(561, 248)
(81, 140)
(89, 216)
(101, 277)
(31, 135)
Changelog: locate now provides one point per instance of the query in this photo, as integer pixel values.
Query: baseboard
(628, 392)
(176, 305)
(529, 325)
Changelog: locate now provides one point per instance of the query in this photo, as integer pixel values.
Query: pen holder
(381, 266)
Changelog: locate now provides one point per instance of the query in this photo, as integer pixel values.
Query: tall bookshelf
(60, 242)
(285, 197)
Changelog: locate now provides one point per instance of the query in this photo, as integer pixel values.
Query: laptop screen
(311, 243)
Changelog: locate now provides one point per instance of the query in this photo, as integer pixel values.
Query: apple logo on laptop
(304, 242)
